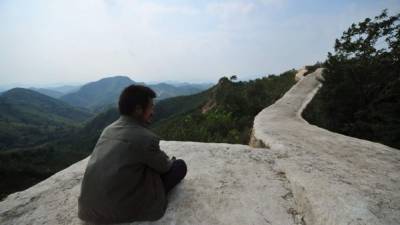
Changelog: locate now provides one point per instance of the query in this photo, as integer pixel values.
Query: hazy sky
(47, 42)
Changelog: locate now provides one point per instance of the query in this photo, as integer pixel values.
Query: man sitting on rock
(128, 176)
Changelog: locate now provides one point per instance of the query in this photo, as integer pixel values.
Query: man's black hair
(132, 96)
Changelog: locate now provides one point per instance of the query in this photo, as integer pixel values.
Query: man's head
(137, 101)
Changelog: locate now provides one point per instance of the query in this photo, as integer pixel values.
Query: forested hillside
(100, 95)
(360, 95)
(22, 167)
(29, 118)
(227, 114)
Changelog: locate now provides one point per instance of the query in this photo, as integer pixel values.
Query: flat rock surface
(225, 184)
(335, 179)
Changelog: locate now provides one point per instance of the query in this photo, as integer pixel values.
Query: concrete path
(335, 179)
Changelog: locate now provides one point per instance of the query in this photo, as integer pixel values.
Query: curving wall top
(335, 179)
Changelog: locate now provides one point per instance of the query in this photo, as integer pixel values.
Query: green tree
(361, 88)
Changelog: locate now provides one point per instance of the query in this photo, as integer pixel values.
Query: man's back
(122, 180)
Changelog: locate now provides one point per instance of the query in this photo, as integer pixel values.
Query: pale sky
(76, 41)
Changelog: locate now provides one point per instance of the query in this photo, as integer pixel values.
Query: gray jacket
(122, 180)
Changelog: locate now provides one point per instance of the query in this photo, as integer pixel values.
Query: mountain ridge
(101, 94)
(28, 117)
(29, 98)
(292, 178)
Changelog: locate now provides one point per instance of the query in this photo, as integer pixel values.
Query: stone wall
(298, 174)
(335, 179)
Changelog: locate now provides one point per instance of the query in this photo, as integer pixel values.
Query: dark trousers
(174, 175)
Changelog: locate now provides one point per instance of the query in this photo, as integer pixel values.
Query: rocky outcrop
(335, 179)
(298, 174)
(225, 184)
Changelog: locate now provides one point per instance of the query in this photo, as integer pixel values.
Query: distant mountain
(48, 92)
(28, 118)
(21, 100)
(65, 89)
(52, 91)
(102, 94)
(165, 90)
(202, 86)
(95, 95)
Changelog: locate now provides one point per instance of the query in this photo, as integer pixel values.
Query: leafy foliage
(177, 105)
(227, 115)
(360, 96)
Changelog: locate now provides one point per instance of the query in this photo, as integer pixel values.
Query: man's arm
(156, 158)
